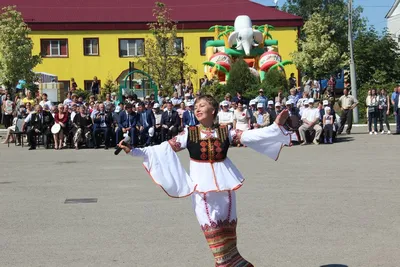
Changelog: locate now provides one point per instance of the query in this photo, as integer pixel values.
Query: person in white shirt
(225, 116)
(45, 101)
(310, 118)
(176, 101)
(68, 100)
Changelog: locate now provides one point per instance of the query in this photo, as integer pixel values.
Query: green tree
(164, 59)
(109, 87)
(334, 9)
(16, 59)
(376, 57)
(240, 78)
(215, 89)
(319, 54)
(274, 82)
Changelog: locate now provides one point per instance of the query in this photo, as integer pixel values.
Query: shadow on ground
(344, 139)
(334, 265)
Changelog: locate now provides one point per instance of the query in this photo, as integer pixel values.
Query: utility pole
(352, 65)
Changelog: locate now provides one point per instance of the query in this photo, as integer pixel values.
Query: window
(91, 46)
(131, 47)
(54, 48)
(88, 84)
(203, 41)
(178, 45)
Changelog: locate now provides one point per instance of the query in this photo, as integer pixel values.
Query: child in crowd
(328, 125)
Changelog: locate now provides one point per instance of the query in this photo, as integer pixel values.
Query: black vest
(43, 123)
(214, 149)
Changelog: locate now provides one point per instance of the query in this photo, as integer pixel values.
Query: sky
(374, 11)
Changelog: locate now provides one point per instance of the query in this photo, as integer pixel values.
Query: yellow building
(83, 39)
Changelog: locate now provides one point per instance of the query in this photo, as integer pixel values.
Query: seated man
(82, 125)
(41, 122)
(127, 124)
(261, 117)
(102, 123)
(189, 119)
(310, 118)
(145, 122)
(170, 122)
(157, 129)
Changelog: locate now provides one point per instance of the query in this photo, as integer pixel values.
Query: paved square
(318, 205)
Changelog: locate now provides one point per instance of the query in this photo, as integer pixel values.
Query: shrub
(240, 78)
(215, 89)
(109, 87)
(274, 81)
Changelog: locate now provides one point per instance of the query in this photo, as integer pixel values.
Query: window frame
(205, 48)
(50, 40)
(98, 47)
(128, 39)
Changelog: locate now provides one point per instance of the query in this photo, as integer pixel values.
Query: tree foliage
(240, 78)
(215, 89)
(274, 81)
(16, 59)
(376, 57)
(319, 54)
(109, 87)
(334, 9)
(163, 60)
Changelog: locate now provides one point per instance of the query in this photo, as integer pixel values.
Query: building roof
(136, 14)
(392, 9)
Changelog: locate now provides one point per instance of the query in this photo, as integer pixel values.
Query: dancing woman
(213, 178)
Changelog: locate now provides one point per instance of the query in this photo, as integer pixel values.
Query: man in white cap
(261, 98)
(188, 118)
(260, 117)
(310, 118)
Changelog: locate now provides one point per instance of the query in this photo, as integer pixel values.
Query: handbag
(371, 109)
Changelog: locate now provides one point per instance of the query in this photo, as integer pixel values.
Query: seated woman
(60, 118)
(82, 125)
(213, 178)
(11, 130)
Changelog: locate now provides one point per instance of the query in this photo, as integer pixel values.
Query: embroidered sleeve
(179, 142)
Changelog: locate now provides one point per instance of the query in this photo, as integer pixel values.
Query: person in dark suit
(396, 110)
(102, 121)
(239, 97)
(41, 122)
(170, 122)
(145, 121)
(127, 121)
(188, 118)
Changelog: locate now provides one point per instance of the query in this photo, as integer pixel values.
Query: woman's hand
(282, 117)
(127, 148)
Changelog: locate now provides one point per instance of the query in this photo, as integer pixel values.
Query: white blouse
(225, 117)
(166, 170)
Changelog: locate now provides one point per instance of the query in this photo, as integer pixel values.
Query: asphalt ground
(317, 206)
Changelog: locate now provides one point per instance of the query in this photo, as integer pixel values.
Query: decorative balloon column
(243, 40)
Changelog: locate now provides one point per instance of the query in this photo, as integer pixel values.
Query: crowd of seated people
(77, 123)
